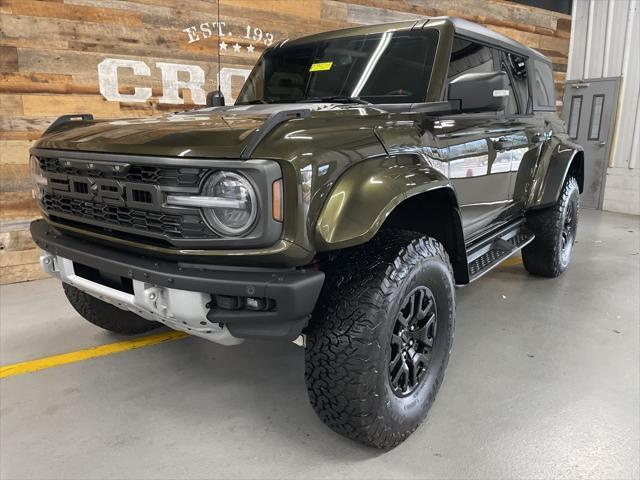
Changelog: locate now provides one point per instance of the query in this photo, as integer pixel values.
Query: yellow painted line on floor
(87, 353)
(103, 350)
(509, 262)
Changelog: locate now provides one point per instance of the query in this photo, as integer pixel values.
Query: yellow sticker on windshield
(321, 67)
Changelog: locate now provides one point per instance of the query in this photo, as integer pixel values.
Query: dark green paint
(363, 161)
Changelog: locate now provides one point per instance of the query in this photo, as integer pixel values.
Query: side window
(512, 101)
(469, 57)
(575, 111)
(543, 88)
(519, 97)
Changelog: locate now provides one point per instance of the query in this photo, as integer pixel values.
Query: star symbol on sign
(236, 48)
(223, 46)
(250, 48)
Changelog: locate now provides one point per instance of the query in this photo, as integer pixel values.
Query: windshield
(390, 67)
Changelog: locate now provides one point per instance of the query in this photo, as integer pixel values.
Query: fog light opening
(227, 302)
(232, 302)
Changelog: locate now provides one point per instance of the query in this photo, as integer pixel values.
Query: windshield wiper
(336, 99)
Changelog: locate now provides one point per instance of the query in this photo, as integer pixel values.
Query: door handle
(602, 144)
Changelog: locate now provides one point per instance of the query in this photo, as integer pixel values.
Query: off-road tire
(545, 255)
(348, 339)
(105, 315)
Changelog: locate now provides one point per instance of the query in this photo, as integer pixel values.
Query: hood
(221, 132)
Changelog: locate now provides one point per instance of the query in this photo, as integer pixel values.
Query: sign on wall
(173, 74)
(171, 85)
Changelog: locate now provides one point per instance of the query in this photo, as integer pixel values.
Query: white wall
(605, 42)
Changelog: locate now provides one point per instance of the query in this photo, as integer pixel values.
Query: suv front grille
(121, 198)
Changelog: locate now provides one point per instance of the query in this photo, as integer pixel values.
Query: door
(526, 129)
(476, 147)
(589, 109)
(479, 168)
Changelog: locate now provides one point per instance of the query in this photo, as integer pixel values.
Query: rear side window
(543, 88)
(519, 97)
(469, 57)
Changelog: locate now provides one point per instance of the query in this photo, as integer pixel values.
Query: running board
(490, 251)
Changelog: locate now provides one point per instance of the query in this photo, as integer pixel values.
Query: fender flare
(365, 195)
(556, 162)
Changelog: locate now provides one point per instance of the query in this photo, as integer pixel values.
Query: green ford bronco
(360, 177)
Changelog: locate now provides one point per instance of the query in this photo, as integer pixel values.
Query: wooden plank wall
(50, 50)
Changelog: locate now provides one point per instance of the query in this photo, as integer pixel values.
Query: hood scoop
(269, 124)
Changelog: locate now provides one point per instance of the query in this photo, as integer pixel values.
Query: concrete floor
(543, 383)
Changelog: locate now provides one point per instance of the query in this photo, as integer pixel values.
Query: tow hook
(154, 299)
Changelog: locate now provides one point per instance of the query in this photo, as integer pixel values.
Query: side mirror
(215, 99)
(480, 92)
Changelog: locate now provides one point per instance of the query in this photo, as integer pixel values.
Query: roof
(461, 26)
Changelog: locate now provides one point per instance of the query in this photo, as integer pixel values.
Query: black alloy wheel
(412, 341)
(569, 228)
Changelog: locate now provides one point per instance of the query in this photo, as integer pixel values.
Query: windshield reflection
(389, 67)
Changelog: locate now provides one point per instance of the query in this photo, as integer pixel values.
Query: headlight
(235, 203)
(228, 202)
(39, 180)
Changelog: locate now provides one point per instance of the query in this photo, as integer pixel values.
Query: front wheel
(549, 253)
(379, 340)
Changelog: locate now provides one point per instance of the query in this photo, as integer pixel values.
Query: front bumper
(183, 295)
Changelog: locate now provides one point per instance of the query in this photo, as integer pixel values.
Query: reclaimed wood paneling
(50, 51)
(8, 58)
(14, 152)
(21, 273)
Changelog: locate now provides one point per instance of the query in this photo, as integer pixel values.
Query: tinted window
(543, 88)
(391, 67)
(469, 57)
(516, 68)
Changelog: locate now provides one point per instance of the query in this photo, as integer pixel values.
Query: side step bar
(490, 251)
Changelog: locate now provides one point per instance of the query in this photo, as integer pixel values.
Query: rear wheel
(380, 337)
(105, 315)
(549, 254)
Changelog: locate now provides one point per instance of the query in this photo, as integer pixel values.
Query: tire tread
(341, 349)
(542, 256)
